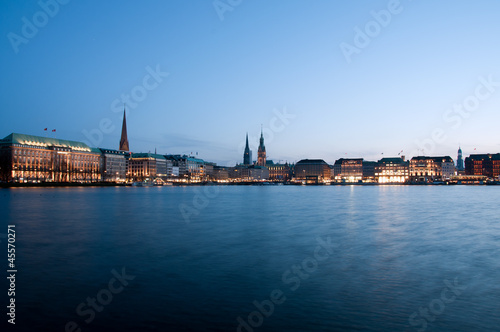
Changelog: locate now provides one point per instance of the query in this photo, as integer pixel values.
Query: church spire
(247, 156)
(261, 145)
(124, 139)
(460, 161)
(261, 154)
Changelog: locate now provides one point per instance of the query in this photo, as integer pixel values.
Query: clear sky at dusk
(353, 78)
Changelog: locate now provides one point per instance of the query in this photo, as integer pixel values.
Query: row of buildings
(28, 158)
(420, 169)
(386, 170)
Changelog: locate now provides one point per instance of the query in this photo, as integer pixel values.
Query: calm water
(400, 258)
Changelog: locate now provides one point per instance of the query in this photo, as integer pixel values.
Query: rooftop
(311, 162)
(147, 155)
(392, 160)
(342, 161)
(491, 156)
(39, 141)
(435, 159)
(179, 157)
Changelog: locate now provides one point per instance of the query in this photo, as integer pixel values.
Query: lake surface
(327, 258)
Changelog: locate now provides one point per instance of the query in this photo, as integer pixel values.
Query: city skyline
(356, 80)
(247, 158)
(261, 151)
(40, 160)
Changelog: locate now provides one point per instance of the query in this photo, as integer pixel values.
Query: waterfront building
(308, 168)
(171, 172)
(369, 171)
(143, 166)
(279, 172)
(114, 165)
(428, 169)
(495, 161)
(220, 173)
(209, 170)
(392, 170)
(175, 171)
(460, 161)
(189, 167)
(194, 168)
(483, 164)
(448, 168)
(124, 138)
(348, 169)
(247, 155)
(261, 154)
(248, 173)
(28, 158)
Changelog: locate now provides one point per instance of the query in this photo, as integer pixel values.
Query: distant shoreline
(112, 184)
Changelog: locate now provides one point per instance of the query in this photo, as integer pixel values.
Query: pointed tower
(460, 161)
(261, 156)
(247, 156)
(124, 139)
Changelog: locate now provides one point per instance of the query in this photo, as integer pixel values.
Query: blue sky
(229, 76)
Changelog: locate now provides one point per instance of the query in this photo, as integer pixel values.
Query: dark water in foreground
(395, 258)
